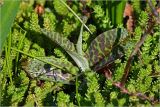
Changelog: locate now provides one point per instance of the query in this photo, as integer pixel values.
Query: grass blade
(55, 65)
(76, 16)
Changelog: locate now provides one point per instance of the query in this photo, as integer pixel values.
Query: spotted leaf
(59, 39)
(43, 71)
(68, 46)
(100, 50)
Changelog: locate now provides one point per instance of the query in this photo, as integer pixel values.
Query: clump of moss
(60, 8)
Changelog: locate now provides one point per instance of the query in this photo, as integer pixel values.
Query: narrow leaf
(117, 10)
(59, 39)
(69, 48)
(79, 43)
(55, 65)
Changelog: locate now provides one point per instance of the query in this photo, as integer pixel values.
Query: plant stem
(77, 96)
(136, 49)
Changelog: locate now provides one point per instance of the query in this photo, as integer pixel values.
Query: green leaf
(44, 71)
(101, 47)
(8, 11)
(79, 43)
(69, 48)
(59, 39)
(117, 10)
(81, 61)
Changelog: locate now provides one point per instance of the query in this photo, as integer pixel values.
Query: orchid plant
(104, 49)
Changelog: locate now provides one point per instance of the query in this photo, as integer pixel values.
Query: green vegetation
(80, 53)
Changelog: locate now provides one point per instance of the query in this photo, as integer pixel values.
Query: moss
(49, 21)
(60, 9)
(34, 26)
